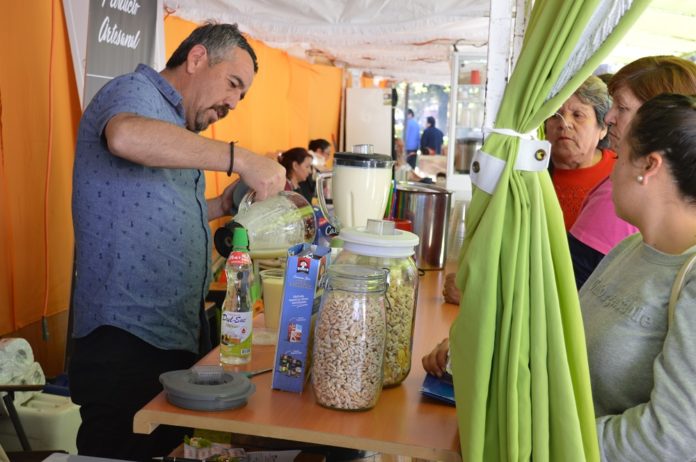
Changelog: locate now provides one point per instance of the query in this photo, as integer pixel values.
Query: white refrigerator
(369, 119)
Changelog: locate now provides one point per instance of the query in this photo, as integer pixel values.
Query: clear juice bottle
(237, 309)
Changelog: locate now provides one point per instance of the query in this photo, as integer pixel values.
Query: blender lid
(378, 239)
(207, 388)
(363, 156)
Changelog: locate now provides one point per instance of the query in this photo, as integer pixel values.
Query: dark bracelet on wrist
(229, 170)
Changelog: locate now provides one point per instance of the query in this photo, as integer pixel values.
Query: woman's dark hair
(218, 39)
(318, 145)
(292, 155)
(667, 124)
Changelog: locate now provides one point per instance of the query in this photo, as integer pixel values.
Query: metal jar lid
(207, 388)
(363, 156)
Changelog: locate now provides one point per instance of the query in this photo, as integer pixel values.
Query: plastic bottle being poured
(237, 312)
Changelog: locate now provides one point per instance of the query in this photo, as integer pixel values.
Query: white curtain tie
(533, 155)
(510, 132)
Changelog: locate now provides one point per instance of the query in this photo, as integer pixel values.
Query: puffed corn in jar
(380, 245)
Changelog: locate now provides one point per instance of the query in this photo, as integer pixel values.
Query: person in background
(411, 138)
(320, 150)
(142, 240)
(298, 167)
(431, 139)
(402, 169)
(579, 159)
(597, 228)
(642, 365)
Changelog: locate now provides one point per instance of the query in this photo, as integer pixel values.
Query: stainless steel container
(428, 208)
(464, 151)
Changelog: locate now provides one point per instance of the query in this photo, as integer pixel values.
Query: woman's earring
(640, 178)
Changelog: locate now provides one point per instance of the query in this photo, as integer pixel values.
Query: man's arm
(221, 206)
(155, 143)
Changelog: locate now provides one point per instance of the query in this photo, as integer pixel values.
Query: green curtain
(517, 347)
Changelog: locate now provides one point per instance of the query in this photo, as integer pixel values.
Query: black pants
(112, 375)
(412, 158)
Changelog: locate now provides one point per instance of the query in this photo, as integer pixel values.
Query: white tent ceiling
(412, 39)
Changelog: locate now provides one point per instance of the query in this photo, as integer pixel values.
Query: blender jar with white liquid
(273, 225)
(360, 184)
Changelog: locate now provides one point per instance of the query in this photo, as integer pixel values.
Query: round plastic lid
(379, 239)
(207, 388)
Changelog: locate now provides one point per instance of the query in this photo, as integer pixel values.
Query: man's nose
(231, 101)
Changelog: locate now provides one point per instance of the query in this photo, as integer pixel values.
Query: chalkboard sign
(120, 35)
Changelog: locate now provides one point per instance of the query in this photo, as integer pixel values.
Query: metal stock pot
(428, 208)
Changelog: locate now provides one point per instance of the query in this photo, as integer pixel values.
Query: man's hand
(220, 206)
(435, 362)
(227, 197)
(263, 175)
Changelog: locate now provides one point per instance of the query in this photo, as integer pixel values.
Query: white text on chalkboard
(127, 6)
(114, 36)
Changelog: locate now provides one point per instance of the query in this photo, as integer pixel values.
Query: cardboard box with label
(302, 290)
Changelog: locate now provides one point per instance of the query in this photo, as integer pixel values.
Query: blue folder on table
(440, 389)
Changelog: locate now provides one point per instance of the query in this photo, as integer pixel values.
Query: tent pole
(498, 65)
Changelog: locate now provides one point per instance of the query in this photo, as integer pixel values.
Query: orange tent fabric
(290, 102)
(40, 113)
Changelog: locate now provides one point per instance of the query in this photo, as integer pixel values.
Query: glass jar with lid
(380, 245)
(349, 338)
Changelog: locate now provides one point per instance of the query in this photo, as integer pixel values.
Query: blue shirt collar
(163, 85)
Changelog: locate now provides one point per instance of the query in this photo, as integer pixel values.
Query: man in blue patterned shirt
(143, 246)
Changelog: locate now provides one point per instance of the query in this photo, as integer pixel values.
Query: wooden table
(402, 423)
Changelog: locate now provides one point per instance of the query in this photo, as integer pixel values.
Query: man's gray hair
(218, 39)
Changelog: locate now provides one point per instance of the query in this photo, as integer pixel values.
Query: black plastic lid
(223, 238)
(354, 159)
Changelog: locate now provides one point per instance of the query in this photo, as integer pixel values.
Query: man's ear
(197, 56)
(653, 163)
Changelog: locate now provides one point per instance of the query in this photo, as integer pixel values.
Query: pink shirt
(597, 224)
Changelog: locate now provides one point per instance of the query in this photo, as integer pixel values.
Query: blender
(360, 185)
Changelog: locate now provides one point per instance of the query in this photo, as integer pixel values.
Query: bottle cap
(240, 239)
